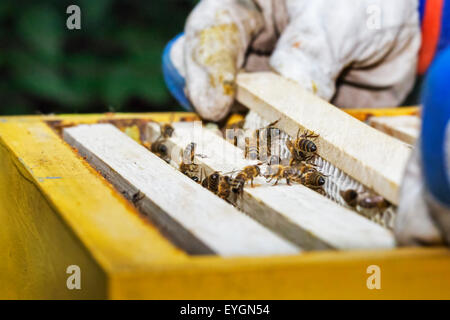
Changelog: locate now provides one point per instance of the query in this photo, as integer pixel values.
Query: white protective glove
(370, 46)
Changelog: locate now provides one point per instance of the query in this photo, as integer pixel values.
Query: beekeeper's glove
(424, 210)
(370, 46)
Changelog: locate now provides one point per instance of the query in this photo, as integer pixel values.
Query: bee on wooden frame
(166, 129)
(279, 172)
(350, 197)
(365, 200)
(248, 173)
(224, 187)
(187, 165)
(314, 180)
(371, 201)
(303, 147)
(160, 148)
(211, 182)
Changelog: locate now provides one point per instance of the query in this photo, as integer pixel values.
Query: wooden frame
(404, 128)
(295, 212)
(183, 210)
(358, 150)
(55, 210)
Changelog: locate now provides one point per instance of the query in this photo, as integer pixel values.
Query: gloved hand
(370, 46)
(424, 210)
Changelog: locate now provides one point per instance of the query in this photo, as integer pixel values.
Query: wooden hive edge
(123, 276)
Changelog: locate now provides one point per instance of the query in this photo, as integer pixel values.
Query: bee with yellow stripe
(303, 148)
(249, 173)
(211, 182)
(313, 179)
(224, 187)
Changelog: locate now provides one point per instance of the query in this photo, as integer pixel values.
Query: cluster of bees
(224, 185)
(297, 166)
(299, 169)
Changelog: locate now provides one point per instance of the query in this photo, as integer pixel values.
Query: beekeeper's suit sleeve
(358, 53)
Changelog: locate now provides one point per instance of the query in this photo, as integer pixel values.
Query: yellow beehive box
(56, 211)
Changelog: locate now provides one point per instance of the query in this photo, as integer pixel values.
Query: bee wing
(203, 156)
(231, 172)
(272, 124)
(187, 151)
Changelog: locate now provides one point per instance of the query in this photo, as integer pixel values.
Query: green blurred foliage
(112, 64)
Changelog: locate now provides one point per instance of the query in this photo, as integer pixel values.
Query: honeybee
(373, 202)
(189, 152)
(211, 182)
(303, 148)
(166, 130)
(302, 164)
(247, 174)
(297, 158)
(365, 200)
(191, 170)
(313, 179)
(279, 172)
(187, 165)
(160, 149)
(196, 178)
(224, 187)
(350, 197)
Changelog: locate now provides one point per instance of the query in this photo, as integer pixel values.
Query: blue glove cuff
(422, 9)
(174, 81)
(436, 115)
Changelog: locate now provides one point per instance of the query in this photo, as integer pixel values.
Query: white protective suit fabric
(357, 53)
(415, 224)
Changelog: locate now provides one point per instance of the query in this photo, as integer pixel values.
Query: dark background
(113, 64)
